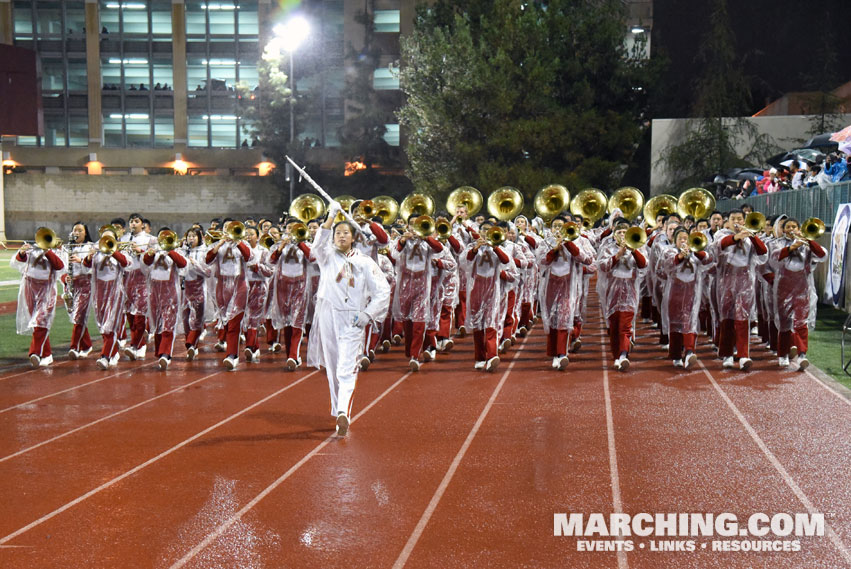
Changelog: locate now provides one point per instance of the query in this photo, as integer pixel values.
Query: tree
(709, 142)
(518, 93)
(824, 107)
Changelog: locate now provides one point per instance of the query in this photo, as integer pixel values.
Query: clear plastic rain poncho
(195, 275)
(135, 278)
(621, 293)
(794, 291)
(258, 274)
(79, 277)
(37, 291)
(528, 274)
(735, 275)
(412, 297)
(108, 290)
(683, 290)
(485, 289)
(290, 288)
(561, 281)
(444, 285)
(231, 288)
(164, 295)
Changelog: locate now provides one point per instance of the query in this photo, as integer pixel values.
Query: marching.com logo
(618, 527)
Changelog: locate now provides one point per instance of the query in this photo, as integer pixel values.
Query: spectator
(797, 176)
(772, 186)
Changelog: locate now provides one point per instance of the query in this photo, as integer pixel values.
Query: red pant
(414, 337)
(525, 314)
(164, 343)
(509, 324)
(734, 332)
(137, 330)
(444, 326)
(799, 337)
(292, 341)
(680, 344)
(80, 339)
(620, 332)
(556, 343)
(40, 344)
(430, 339)
(192, 338)
(461, 308)
(484, 344)
(272, 335)
(251, 339)
(577, 330)
(232, 330)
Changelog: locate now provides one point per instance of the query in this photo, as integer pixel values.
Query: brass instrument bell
(416, 204)
(306, 207)
(266, 240)
(495, 236)
(569, 231)
(299, 232)
(634, 237)
(443, 228)
(755, 222)
(235, 230)
(386, 208)
(423, 226)
(505, 203)
(551, 201)
(45, 238)
(696, 202)
(467, 196)
(591, 204)
(664, 204)
(697, 241)
(167, 239)
(812, 228)
(627, 199)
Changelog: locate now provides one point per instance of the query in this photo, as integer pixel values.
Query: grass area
(825, 344)
(7, 273)
(14, 349)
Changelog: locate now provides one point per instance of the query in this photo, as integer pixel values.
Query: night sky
(776, 40)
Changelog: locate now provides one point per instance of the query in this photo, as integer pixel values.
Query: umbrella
(845, 147)
(825, 141)
(843, 135)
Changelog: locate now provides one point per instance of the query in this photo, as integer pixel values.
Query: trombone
(634, 238)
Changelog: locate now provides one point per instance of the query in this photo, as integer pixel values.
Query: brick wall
(57, 200)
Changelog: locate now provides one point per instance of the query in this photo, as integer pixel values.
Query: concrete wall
(56, 201)
(788, 132)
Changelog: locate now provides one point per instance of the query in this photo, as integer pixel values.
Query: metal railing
(800, 204)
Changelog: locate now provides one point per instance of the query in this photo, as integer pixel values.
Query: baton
(319, 189)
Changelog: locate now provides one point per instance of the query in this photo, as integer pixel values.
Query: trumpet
(235, 230)
(634, 238)
(495, 236)
(267, 241)
(423, 226)
(443, 228)
(569, 231)
(299, 232)
(213, 236)
(697, 241)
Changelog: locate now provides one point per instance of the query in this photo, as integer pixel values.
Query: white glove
(360, 319)
(334, 208)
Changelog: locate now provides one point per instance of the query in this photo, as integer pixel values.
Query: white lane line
(617, 504)
(447, 478)
(37, 399)
(107, 417)
(221, 529)
(828, 389)
(777, 466)
(147, 463)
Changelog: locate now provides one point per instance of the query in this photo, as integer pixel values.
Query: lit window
(384, 79)
(387, 21)
(391, 137)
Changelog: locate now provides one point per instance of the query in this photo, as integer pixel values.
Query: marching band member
(162, 266)
(290, 293)
(528, 241)
(136, 289)
(621, 268)
(444, 288)
(78, 291)
(108, 295)
(230, 261)
(412, 296)
(681, 297)
(196, 274)
(486, 269)
(258, 275)
(465, 232)
(352, 293)
(584, 242)
(40, 270)
(561, 280)
(793, 260)
(738, 252)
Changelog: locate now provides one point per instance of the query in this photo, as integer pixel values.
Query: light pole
(290, 35)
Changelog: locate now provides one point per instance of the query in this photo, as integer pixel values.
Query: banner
(835, 284)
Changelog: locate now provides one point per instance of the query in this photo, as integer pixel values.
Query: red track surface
(448, 467)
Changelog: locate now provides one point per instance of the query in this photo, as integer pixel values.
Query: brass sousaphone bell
(386, 208)
(696, 202)
(664, 204)
(629, 200)
(551, 200)
(505, 203)
(306, 207)
(591, 204)
(416, 204)
(467, 196)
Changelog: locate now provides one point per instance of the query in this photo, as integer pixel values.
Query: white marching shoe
(342, 425)
(803, 362)
(745, 364)
(231, 362)
(728, 363)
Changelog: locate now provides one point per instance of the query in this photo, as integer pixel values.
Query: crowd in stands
(790, 175)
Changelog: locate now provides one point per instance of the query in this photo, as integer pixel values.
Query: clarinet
(68, 295)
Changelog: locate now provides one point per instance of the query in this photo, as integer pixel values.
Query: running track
(448, 467)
